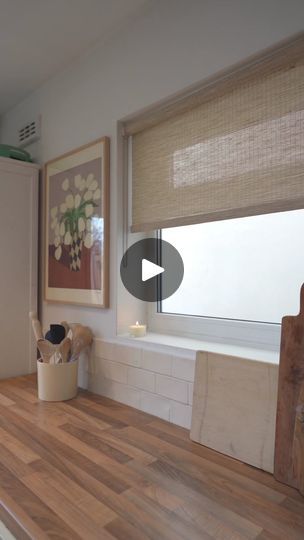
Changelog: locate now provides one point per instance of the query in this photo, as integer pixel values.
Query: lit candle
(138, 330)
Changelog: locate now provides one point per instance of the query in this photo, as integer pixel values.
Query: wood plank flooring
(92, 468)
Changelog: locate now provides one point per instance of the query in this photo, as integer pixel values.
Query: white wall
(172, 45)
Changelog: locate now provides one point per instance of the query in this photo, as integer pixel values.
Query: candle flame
(137, 323)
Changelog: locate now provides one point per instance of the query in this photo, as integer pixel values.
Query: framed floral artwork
(77, 226)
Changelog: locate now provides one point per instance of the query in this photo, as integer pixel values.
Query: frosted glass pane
(248, 269)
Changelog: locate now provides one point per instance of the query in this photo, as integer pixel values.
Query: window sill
(188, 347)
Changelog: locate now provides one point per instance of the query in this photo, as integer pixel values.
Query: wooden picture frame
(76, 188)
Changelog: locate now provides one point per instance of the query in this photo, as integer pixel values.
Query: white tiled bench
(154, 379)
(156, 382)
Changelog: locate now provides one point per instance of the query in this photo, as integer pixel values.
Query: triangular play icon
(150, 270)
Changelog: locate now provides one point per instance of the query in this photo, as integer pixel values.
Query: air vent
(29, 133)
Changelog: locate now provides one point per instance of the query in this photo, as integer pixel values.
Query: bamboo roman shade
(233, 147)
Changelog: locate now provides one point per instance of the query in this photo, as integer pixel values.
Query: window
(248, 269)
(222, 166)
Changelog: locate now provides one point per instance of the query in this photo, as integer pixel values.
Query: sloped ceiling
(40, 37)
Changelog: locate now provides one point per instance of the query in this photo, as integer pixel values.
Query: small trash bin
(57, 382)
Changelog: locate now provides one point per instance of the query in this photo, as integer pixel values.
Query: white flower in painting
(75, 213)
(97, 195)
(90, 179)
(69, 201)
(77, 200)
(58, 253)
(89, 209)
(77, 180)
(68, 238)
(88, 195)
(54, 212)
(82, 184)
(88, 241)
(94, 185)
(57, 241)
(65, 184)
(62, 229)
(81, 224)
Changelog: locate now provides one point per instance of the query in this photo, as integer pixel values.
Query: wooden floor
(92, 468)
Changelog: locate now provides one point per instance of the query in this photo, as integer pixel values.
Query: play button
(152, 269)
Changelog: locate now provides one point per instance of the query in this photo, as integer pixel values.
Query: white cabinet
(18, 265)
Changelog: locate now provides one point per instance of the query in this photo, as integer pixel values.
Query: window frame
(262, 335)
(229, 331)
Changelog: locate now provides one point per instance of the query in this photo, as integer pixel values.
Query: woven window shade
(235, 148)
